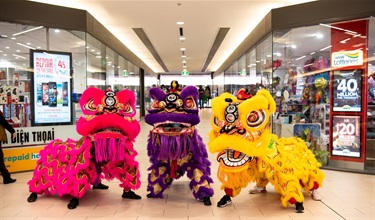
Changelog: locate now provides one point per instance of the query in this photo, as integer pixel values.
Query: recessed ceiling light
(183, 56)
(182, 38)
(180, 22)
(182, 49)
(57, 31)
(183, 61)
(13, 38)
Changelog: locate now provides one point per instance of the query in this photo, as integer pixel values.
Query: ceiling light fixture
(182, 38)
(26, 46)
(180, 22)
(329, 26)
(300, 58)
(32, 29)
(183, 56)
(19, 56)
(182, 49)
(326, 48)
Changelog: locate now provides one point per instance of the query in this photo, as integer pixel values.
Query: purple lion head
(173, 113)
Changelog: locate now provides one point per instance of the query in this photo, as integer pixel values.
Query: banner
(21, 159)
(31, 136)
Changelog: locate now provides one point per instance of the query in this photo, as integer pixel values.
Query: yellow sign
(21, 159)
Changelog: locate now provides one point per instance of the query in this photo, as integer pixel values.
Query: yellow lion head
(240, 129)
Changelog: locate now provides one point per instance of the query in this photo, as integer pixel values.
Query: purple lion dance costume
(105, 150)
(174, 146)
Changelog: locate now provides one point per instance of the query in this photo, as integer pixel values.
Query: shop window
(264, 63)
(16, 41)
(72, 42)
(96, 63)
(301, 70)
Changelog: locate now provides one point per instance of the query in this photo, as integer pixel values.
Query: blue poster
(308, 132)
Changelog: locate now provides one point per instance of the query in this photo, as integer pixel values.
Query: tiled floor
(345, 196)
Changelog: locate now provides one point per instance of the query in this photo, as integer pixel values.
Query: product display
(105, 150)
(174, 145)
(247, 151)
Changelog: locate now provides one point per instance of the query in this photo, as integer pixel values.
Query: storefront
(46, 64)
(321, 73)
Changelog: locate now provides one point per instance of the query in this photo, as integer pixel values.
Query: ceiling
(213, 29)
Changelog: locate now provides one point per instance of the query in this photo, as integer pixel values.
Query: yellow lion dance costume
(248, 152)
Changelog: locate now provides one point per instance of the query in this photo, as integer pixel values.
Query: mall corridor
(345, 195)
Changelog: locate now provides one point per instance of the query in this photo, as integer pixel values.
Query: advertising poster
(310, 133)
(346, 136)
(347, 86)
(51, 88)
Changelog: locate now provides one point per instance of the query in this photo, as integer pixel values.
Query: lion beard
(234, 180)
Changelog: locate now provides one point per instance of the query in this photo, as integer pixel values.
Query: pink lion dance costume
(105, 150)
(174, 146)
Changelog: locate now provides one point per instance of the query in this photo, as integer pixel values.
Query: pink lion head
(108, 114)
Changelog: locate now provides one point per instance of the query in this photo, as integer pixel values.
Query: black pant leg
(4, 171)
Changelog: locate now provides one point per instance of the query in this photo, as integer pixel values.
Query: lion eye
(255, 118)
(190, 104)
(128, 109)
